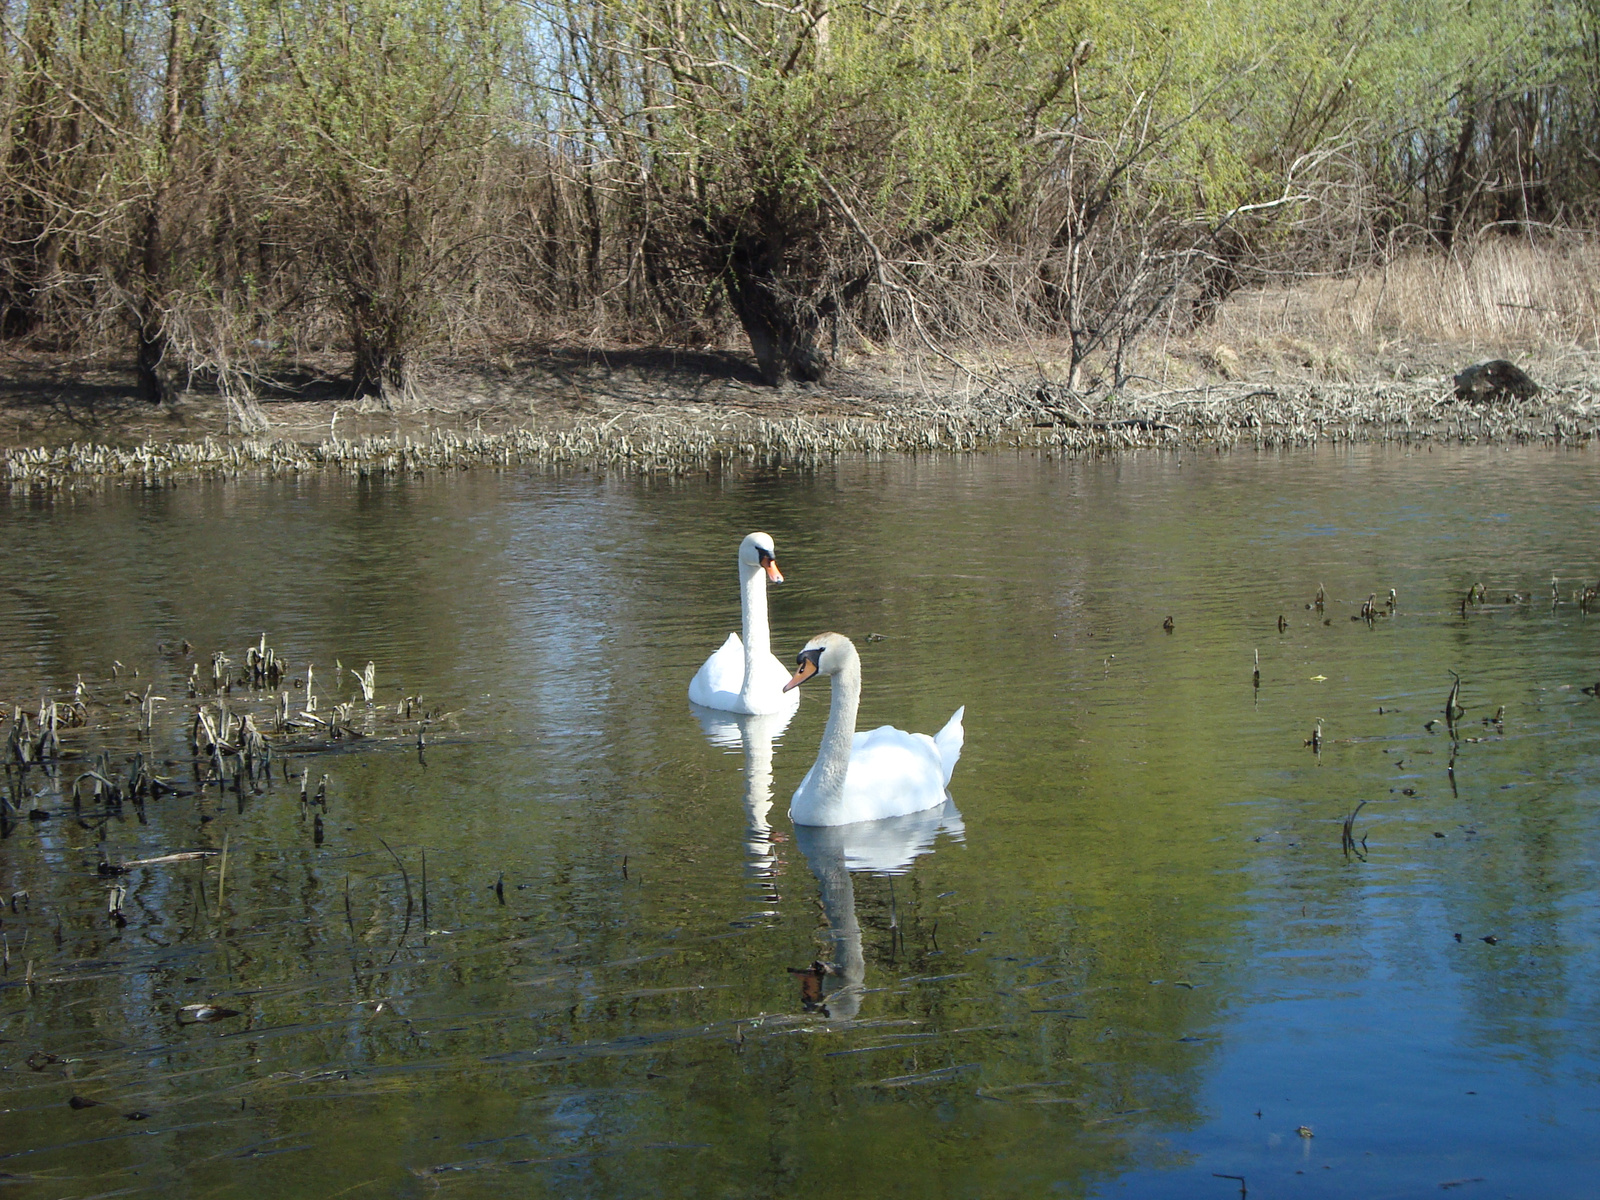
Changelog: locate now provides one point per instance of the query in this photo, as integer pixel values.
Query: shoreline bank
(679, 438)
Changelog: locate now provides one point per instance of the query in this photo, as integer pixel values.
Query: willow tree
(388, 112)
(792, 153)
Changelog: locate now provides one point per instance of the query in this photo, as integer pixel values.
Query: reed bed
(91, 750)
(1024, 414)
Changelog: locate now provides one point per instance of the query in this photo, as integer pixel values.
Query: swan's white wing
(892, 773)
(718, 683)
(719, 678)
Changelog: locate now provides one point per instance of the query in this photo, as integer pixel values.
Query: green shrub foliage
(210, 183)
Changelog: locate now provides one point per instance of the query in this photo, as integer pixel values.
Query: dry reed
(1499, 296)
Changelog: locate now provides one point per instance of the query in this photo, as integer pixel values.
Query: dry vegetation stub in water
(1017, 412)
(237, 725)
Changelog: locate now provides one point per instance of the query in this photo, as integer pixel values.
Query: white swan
(867, 776)
(745, 676)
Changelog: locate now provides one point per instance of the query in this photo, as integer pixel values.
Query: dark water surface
(1137, 960)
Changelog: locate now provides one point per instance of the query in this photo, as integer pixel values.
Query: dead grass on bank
(1535, 302)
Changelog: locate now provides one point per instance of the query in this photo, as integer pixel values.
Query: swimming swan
(867, 776)
(745, 676)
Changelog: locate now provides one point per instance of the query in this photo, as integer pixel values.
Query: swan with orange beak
(744, 676)
(885, 772)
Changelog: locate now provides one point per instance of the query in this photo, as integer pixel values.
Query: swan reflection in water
(885, 847)
(755, 736)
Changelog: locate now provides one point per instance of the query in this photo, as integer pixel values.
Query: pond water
(1131, 957)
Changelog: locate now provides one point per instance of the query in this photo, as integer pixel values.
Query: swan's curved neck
(753, 607)
(826, 797)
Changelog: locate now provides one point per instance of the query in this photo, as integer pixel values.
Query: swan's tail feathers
(949, 740)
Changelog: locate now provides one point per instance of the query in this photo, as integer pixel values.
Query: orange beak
(775, 575)
(808, 668)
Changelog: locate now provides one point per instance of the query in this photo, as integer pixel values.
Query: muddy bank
(680, 414)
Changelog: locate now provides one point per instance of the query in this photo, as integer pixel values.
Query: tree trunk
(380, 369)
(24, 274)
(187, 64)
(29, 249)
(384, 375)
(782, 323)
(154, 374)
(1447, 220)
(150, 332)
